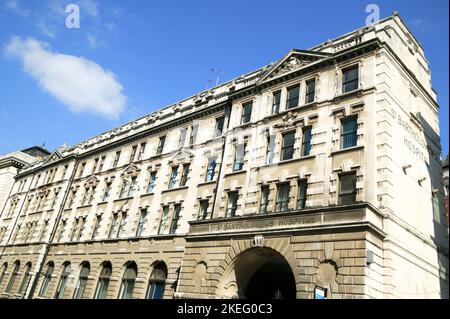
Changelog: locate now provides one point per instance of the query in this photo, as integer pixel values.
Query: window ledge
(147, 194)
(84, 206)
(348, 149)
(123, 198)
(206, 183)
(236, 172)
(102, 203)
(175, 189)
(294, 160)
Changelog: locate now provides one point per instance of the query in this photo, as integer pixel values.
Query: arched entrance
(259, 273)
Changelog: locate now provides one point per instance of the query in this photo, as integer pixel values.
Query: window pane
(350, 80)
(310, 91)
(292, 99)
(276, 102)
(347, 189)
(282, 198)
(264, 199)
(239, 157)
(287, 151)
(349, 132)
(173, 177)
(301, 195)
(306, 142)
(246, 112)
(232, 204)
(219, 126)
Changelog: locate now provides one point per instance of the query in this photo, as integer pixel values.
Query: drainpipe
(228, 117)
(52, 234)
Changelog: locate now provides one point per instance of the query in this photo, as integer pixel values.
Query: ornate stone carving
(291, 64)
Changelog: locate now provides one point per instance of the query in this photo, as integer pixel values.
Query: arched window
(103, 281)
(63, 281)
(47, 278)
(13, 277)
(82, 280)
(128, 281)
(26, 279)
(2, 275)
(157, 282)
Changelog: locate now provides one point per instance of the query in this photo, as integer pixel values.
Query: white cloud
(81, 84)
(90, 7)
(15, 6)
(92, 41)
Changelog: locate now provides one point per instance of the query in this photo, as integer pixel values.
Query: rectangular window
(74, 229)
(81, 228)
(246, 112)
(350, 79)
(306, 141)
(219, 126)
(347, 188)
(203, 209)
(91, 195)
(185, 174)
(193, 136)
(292, 97)
(141, 151)
(232, 204)
(301, 193)
(102, 162)
(133, 153)
(287, 148)
(95, 165)
(162, 140)
(97, 222)
(116, 159)
(62, 229)
(123, 224)
(113, 228)
(151, 182)
(107, 191)
(264, 199)
(310, 91)
(175, 218)
(72, 198)
(37, 181)
(83, 166)
(211, 170)
(270, 151)
(349, 132)
(64, 171)
(164, 216)
(44, 230)
(124, 188)
(182, 138)
(133, 187)
(142, 221)
(173, 177)
(282, 203)
(239, 156)
(276, 102)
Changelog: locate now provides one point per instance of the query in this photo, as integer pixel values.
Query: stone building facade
(319, 170)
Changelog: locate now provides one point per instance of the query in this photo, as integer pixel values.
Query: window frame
(246, 116)
(285, 147)
(289, 99)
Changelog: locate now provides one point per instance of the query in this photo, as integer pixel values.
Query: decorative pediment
(53, 157)
(131, 170)
(91, 181)
(294, 60)
(183, 155)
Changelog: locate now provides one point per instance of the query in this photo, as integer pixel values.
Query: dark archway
(273, 280)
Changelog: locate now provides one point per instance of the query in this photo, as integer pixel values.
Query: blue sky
(133, 57)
